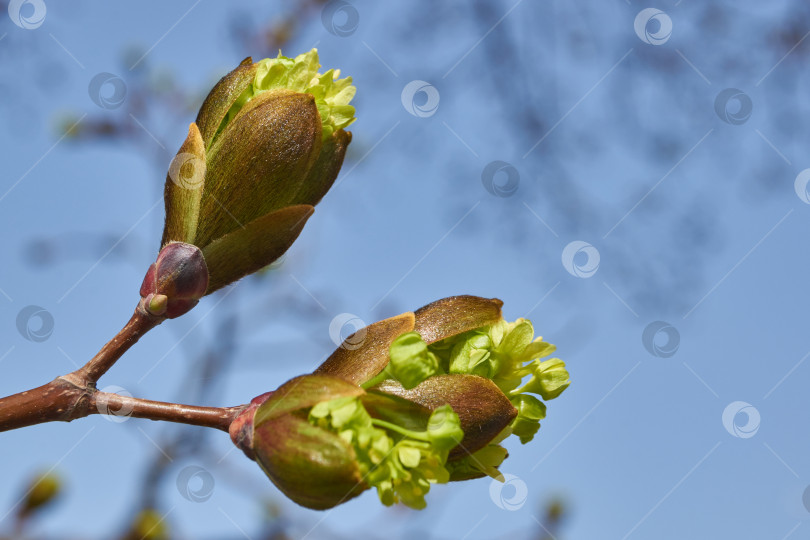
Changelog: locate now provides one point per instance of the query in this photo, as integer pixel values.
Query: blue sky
(688, 197)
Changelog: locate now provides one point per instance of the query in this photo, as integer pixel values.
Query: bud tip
(156, 303)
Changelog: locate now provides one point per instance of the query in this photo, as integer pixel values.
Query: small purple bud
(176, 281)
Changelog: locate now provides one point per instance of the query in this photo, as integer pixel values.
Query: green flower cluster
(266, 146)
(503, 352)
(300, 74)
(401, 463)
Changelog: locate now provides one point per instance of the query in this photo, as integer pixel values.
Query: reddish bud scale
(180, 275)
(241, 430)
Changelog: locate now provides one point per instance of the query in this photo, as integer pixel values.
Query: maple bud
(267, 145)
(176, 281)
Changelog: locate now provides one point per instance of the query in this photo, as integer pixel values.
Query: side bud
(175, 282)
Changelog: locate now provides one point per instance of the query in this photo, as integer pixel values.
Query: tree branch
(75, 395)
(139, 324)
(59, 400)
(117, 405)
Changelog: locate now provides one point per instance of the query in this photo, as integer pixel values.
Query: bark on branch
(59, 400)
(74, 395)
(139, 324)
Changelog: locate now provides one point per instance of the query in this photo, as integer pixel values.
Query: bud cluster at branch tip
(426, 398)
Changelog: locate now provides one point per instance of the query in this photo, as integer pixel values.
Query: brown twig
(62, 400)
(139, 324)
(115, 404)
(74, 395)
(59, 400)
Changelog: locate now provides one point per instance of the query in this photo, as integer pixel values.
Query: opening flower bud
(176, 281)
(425, 397)
(460, 352)
(267, 145)
(323, 441)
